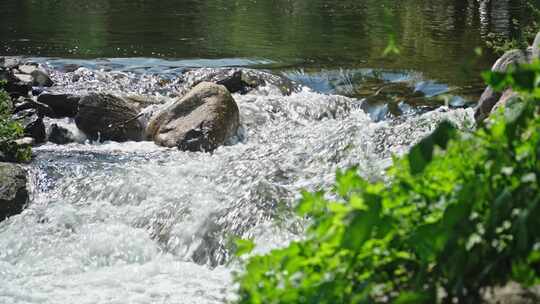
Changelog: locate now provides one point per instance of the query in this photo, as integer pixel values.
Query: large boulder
(13, 191)
(107, 117)
(32, 122)
(200, 121)
(536, 47)
(489, 97)
(62, 105)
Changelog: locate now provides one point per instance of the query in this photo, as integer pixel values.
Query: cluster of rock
(204, 118)
(491, 100)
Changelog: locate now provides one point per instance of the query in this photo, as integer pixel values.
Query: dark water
(435, 37)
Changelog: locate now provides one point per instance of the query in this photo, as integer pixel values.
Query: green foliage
(460, 214)
(9, 131)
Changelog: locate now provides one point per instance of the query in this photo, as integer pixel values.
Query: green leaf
(413, 298)
(243, 247)
(422, 153)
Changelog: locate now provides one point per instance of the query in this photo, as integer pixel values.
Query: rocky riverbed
(139, 181)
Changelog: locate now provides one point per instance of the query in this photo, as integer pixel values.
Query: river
(137, 223)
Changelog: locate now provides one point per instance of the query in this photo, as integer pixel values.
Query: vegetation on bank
(10, 131)
(461, 214)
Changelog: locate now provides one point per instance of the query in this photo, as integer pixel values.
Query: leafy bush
(460, 214)
(10, 131)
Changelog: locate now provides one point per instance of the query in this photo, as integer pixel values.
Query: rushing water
(137, 223)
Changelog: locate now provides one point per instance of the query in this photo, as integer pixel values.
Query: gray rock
(24, 78)
(32, 123)
(489, 97)
(536, 47)
(25, 142)
(9, 62)
(14, 86)
(27, 68)
(27, 103)
(239, 80)
(508, 59)
(62, 105)
(254, 79)
(506, 96)
(107, 117)
(200, 121)
(60, 135)
(13, 191)
(41, 79)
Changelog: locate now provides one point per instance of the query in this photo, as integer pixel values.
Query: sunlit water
(137, 223)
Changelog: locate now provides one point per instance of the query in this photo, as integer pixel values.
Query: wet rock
(536, 47)
(13, 191)
(256, 79)
(62, 105)
(200, 121)
(27, 68)
(108, 117)
(32, 123)
(41, 79)
(141, 102)
(229, 78)
(13, 85)
(25, 142)
(27, 103)
(508, 59)
(506, 97)
(489, 97)
(9, 62)
(60, 135)
(24, 78)
(240, 80)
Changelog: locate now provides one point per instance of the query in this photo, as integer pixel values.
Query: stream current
(137, 223)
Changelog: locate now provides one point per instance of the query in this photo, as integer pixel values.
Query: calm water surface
(435, 37)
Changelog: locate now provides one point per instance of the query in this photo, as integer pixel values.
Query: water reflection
(436, 37)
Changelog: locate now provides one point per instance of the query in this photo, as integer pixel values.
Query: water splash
(134, 222)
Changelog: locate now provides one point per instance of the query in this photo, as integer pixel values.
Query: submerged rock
(489, 97)
(13, 191)
(240, 80)
(200, 121)
(108, 117)
(41, 79)
(60, 135)
(32, 122)
(62, 105)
